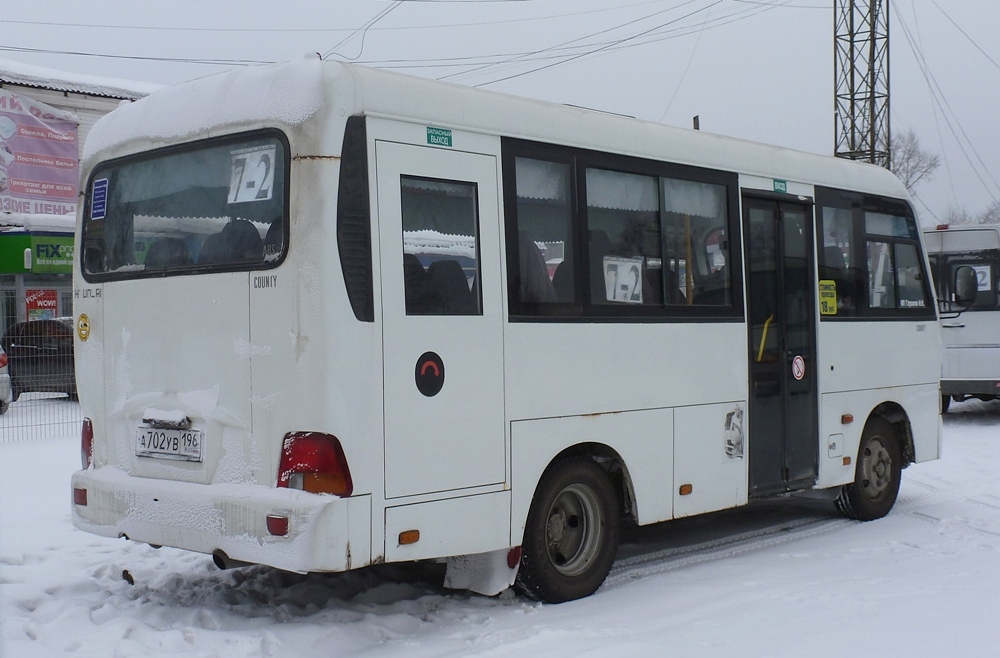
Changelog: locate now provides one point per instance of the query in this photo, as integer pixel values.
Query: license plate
(169, 443)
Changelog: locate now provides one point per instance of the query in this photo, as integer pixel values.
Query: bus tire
(945, 403)
(876, 475)
(571, 534)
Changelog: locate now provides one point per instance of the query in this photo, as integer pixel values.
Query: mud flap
(483, 573)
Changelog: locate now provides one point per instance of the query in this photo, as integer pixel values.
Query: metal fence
(40, 416)
(37, 380)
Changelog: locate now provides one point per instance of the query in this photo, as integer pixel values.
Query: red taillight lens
(277, 525)
(87, 444)
(314, 462)
(3, 359)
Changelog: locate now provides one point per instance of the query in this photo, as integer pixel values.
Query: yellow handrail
(763, 338)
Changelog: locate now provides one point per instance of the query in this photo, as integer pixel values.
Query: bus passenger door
(782, 441)
(442, 328)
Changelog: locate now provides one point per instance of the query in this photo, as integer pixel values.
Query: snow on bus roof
(28, 75)
(287, 93)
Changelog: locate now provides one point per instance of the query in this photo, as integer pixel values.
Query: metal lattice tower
(861, 77)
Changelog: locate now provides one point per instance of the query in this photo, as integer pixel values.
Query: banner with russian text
(39, 157)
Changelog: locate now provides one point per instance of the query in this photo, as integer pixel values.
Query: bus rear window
(213, 205)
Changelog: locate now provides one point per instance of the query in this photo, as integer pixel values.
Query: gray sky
(756, 69)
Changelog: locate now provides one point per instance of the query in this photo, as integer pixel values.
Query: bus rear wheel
(876, 476)
(945, 403)
(571, 534)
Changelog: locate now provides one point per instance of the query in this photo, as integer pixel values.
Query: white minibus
(970, 332)
(329, 317)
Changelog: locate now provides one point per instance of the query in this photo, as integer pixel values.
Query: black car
(40, 357)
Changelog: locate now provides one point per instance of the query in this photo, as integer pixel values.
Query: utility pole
(861, 81)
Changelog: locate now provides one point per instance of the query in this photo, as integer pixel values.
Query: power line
(364, 31)
(562, 45)
(182, 60)
(964, 34)
(937, 118)
(388, 28)
(950, 118)
(645, 37)
(596, 50)
(686, 67)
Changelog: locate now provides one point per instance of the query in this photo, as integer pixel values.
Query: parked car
(40, 357)
(5, 394)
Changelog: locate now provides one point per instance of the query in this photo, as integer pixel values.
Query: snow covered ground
(785, 578)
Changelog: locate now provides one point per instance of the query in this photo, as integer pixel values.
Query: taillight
(3, 359)
(314, 462)
(87, 444)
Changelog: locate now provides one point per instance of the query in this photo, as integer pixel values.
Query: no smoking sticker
(798, 368)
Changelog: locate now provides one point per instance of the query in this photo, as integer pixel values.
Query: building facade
(36, 231)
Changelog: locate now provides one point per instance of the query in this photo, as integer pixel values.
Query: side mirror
(966, 286)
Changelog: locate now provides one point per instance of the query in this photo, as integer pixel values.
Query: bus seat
(243, 241)
(419, 300)
(274, 240)
(167, 252)
(448, 281)
(562, 281)
(652, 284)
(535, 283)
(600, 246)
(213, 250)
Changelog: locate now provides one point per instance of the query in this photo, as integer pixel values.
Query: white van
(971, 333)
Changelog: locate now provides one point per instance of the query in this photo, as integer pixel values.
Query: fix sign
(41, 304)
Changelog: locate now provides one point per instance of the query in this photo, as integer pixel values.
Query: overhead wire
(937, 124)
(387, 28)
(949, 115)
(686, 67)
(146, 58)
(495, 60)
(645, 37)
(566, 43)
(364, 31)
(966, 35)
(594, 51)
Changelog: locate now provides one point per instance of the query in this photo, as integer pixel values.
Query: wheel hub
(876, 469)
(573, 530)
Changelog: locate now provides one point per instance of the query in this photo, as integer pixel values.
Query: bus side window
(440, 247)
(695, 243)
(545, 252)
(623, 218)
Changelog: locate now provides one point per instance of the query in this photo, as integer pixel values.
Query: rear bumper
(325, 533)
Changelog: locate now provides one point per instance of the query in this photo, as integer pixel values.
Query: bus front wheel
(571, 534)
(876, 475)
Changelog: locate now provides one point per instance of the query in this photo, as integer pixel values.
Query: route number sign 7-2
(252, 176)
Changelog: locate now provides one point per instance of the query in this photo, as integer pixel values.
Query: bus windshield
(213, 205)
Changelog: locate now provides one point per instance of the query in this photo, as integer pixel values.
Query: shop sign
(41, 304)
(39, 157)
(52, 254)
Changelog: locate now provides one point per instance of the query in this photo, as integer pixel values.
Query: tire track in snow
(663, 561)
